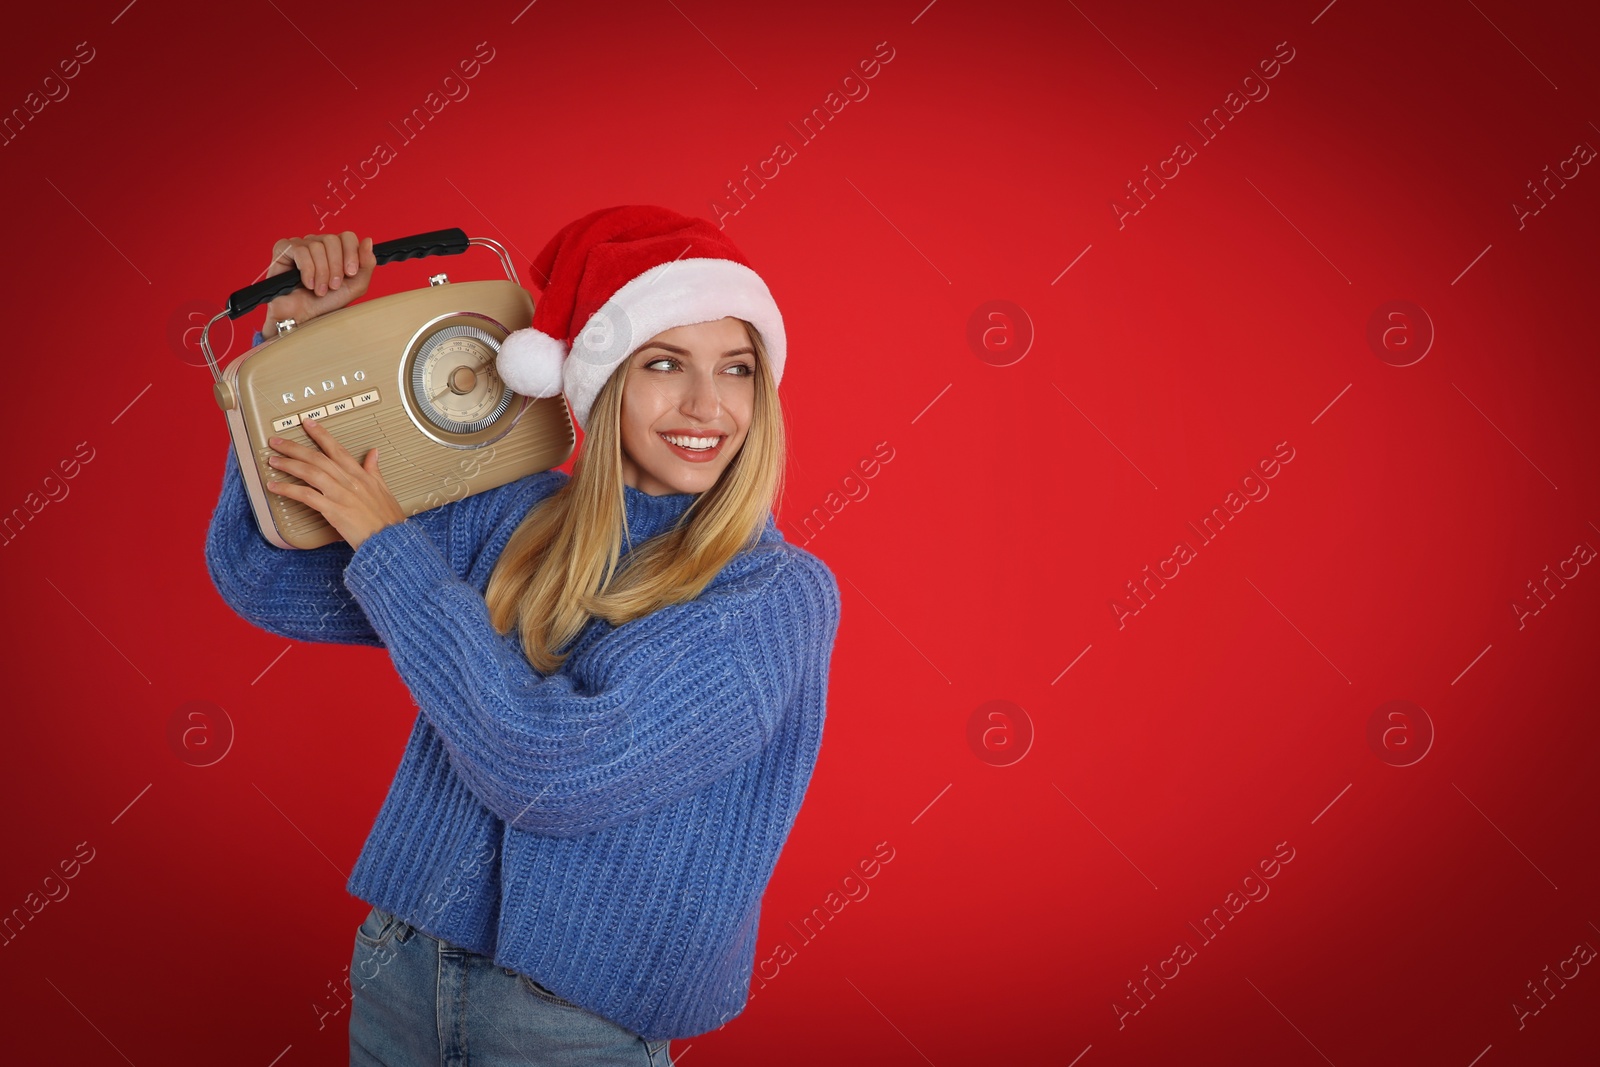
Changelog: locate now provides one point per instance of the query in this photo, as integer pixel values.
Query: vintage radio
(412, 373)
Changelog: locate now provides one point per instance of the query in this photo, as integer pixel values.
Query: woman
(621, 675)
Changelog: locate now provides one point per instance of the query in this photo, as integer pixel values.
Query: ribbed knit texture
(608, 829)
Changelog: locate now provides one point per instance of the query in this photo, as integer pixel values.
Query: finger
(302, 259)
(310, 497)
(295, 448)
(315, 478)
(298, 468)
(310, 463)
(292, 449)
(328, 443)
(352, 262)
(333, 248)
(319, 259)
(314, 469)
(368, 263)
(295, 492)
(281, 259)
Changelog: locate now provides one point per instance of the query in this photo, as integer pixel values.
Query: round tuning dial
(454, 382)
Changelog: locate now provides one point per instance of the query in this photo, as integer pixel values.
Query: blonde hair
(559, 568)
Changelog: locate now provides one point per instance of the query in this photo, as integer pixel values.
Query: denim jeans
(417, 1000)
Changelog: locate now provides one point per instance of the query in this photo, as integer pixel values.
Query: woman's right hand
(334, 269)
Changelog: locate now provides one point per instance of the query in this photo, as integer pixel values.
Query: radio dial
(454, 381)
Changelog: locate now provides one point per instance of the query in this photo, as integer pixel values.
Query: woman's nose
(702, 401)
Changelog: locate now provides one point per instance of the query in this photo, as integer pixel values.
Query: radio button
(369, 397)
(285, 423)
(340, 406)
(314, 413)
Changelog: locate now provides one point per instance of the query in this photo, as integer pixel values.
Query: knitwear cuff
(391, 570)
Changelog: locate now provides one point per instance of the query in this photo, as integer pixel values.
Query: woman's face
(687, 382)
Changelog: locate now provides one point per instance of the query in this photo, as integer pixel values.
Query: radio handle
(450, 242)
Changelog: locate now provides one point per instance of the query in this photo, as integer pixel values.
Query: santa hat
(618, 277)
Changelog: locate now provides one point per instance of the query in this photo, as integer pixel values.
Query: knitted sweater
(608, 829)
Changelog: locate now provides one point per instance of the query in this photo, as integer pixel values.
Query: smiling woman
(686, 406)
(606, 665)
(707, 386)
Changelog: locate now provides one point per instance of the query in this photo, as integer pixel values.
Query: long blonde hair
(559, 568)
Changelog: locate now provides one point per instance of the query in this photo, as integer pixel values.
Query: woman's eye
(746, 368)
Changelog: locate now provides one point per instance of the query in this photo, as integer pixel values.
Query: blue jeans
(417, 1000)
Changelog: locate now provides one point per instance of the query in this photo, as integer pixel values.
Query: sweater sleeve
(666, 704)
(294, 593)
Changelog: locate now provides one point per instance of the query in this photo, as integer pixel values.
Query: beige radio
(412, 373)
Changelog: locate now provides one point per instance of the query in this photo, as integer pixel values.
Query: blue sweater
(608, 829)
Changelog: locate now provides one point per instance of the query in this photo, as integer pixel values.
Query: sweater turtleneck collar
(649, 515)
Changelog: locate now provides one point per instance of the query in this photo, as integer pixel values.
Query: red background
(1179, 750)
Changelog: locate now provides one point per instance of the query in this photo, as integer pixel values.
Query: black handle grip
(450, 242)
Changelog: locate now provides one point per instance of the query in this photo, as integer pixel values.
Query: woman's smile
(694, 448)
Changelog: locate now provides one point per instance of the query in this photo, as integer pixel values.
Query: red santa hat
(616, 278)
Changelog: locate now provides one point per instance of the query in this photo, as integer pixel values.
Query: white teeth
(694, 444)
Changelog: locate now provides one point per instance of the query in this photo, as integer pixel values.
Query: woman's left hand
(352, 497)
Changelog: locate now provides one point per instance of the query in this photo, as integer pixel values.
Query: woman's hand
(352, 497)
(334, 268)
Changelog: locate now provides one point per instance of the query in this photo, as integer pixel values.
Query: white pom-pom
(530, 362)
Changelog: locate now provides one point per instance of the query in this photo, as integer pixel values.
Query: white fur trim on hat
(680, 293)
(530, 362)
